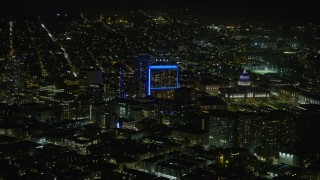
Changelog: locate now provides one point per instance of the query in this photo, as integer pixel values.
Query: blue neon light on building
(162, 67)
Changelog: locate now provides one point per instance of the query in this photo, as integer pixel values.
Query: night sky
(283, 10)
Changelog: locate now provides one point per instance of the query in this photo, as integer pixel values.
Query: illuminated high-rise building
(119, 80)
(91, 83)
(266, 133)
(223, 129)
(142, 63)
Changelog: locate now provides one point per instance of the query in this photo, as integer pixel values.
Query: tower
(118, 80)
(91, 83)
(142, 63)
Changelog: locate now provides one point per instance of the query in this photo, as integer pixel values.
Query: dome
(244, 79)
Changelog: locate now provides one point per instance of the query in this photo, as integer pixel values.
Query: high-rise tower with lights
(142, 63)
